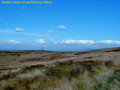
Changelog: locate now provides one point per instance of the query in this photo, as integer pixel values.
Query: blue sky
(62, 25)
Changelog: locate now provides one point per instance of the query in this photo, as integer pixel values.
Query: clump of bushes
(59, 71)
(109, 63)
(76, 71)
(65, 63)
(34, 66)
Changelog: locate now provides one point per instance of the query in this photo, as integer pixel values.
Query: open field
(44, 70)
(13, 59)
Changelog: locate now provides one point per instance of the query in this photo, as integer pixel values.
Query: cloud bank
(13, 42)
(109, 42)
(65, 45)
(68, 41)
(78, 41)
(40, 41)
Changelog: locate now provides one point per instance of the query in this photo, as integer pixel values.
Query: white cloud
(109, 42)
(71, 41)
(13, 42)
(85, 42)
(78, 41)
(40, 41)
(19, 29)
(22, 33)
(62, 27)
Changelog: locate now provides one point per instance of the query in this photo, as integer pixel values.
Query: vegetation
(68, 75)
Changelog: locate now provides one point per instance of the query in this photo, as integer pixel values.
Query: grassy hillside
(67, 75)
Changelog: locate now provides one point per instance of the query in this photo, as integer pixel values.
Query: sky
(63, 25)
